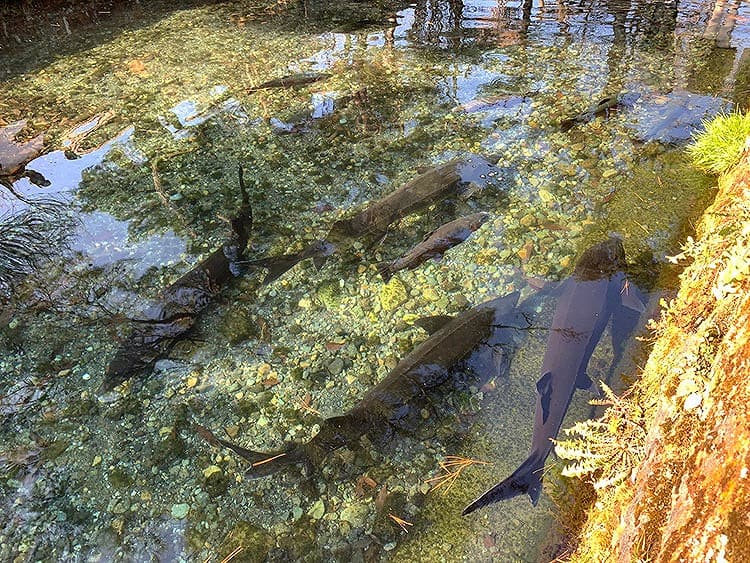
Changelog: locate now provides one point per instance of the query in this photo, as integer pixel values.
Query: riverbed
(148, 112)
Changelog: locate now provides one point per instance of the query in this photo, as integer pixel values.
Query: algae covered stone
(329, 294)
(179, 511)
(393, 294)
(255, 541)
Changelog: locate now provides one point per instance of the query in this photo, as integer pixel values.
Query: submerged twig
(159, 189)
(452, 467)
(237, 550)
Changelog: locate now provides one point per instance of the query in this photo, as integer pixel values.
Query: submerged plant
(608, 448)
(720, 145)
(29, 237)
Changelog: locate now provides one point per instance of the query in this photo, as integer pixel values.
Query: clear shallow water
(127, 478)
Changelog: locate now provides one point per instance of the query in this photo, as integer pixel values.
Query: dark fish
(279, 265)
(478, 342)
(601, 108)
(435, 244)
(596, 290)
(181, 303)
(453, 177)
(458, 176)
(291, 80)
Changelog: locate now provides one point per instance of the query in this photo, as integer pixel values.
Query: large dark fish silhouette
(154, 335)
(595, 291)
(479, 342)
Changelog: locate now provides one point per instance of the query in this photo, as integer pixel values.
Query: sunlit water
(123, 477)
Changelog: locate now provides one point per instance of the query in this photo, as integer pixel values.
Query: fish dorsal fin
(434, 323)
(632, 297)
(544, 388)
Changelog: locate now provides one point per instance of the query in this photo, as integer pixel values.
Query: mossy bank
(682, 493)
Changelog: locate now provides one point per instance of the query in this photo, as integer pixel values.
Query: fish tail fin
(277, 266)
(384, 269)
(261, 463)
(568, 124)
(527, 479)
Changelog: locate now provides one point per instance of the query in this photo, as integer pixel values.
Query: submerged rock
(393, 294)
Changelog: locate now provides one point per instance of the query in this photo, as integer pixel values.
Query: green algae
(393, 294)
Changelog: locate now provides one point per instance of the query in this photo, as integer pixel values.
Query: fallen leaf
(381, 498)
(271, 381)
(365, 486)
(137, 66)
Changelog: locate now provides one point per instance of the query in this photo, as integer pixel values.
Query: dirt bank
(688, 498)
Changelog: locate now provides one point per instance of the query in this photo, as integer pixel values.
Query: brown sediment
(687, 500)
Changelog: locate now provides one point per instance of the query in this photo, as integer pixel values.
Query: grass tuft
(720, 145)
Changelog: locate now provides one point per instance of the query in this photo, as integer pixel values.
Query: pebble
(430, 294)
(336, 366)
(121, 506)
(210, 470)
(546, 196)
(356, 514)
(179, 511)
(318, 510)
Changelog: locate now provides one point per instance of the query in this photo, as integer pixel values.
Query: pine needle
(401, 522)
(452, 467)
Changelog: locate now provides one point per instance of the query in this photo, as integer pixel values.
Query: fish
(477, 343)
(181, 303)
(589, 297)
(456, 176)
(435, 244)
(601, 108)
(279, 265)
(291, 80)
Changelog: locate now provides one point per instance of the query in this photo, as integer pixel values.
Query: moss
(720, 146)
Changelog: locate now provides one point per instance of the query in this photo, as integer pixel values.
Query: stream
(147, 111)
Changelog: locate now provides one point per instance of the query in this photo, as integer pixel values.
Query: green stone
(393, 294)
(318, 510)
(179, 511)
